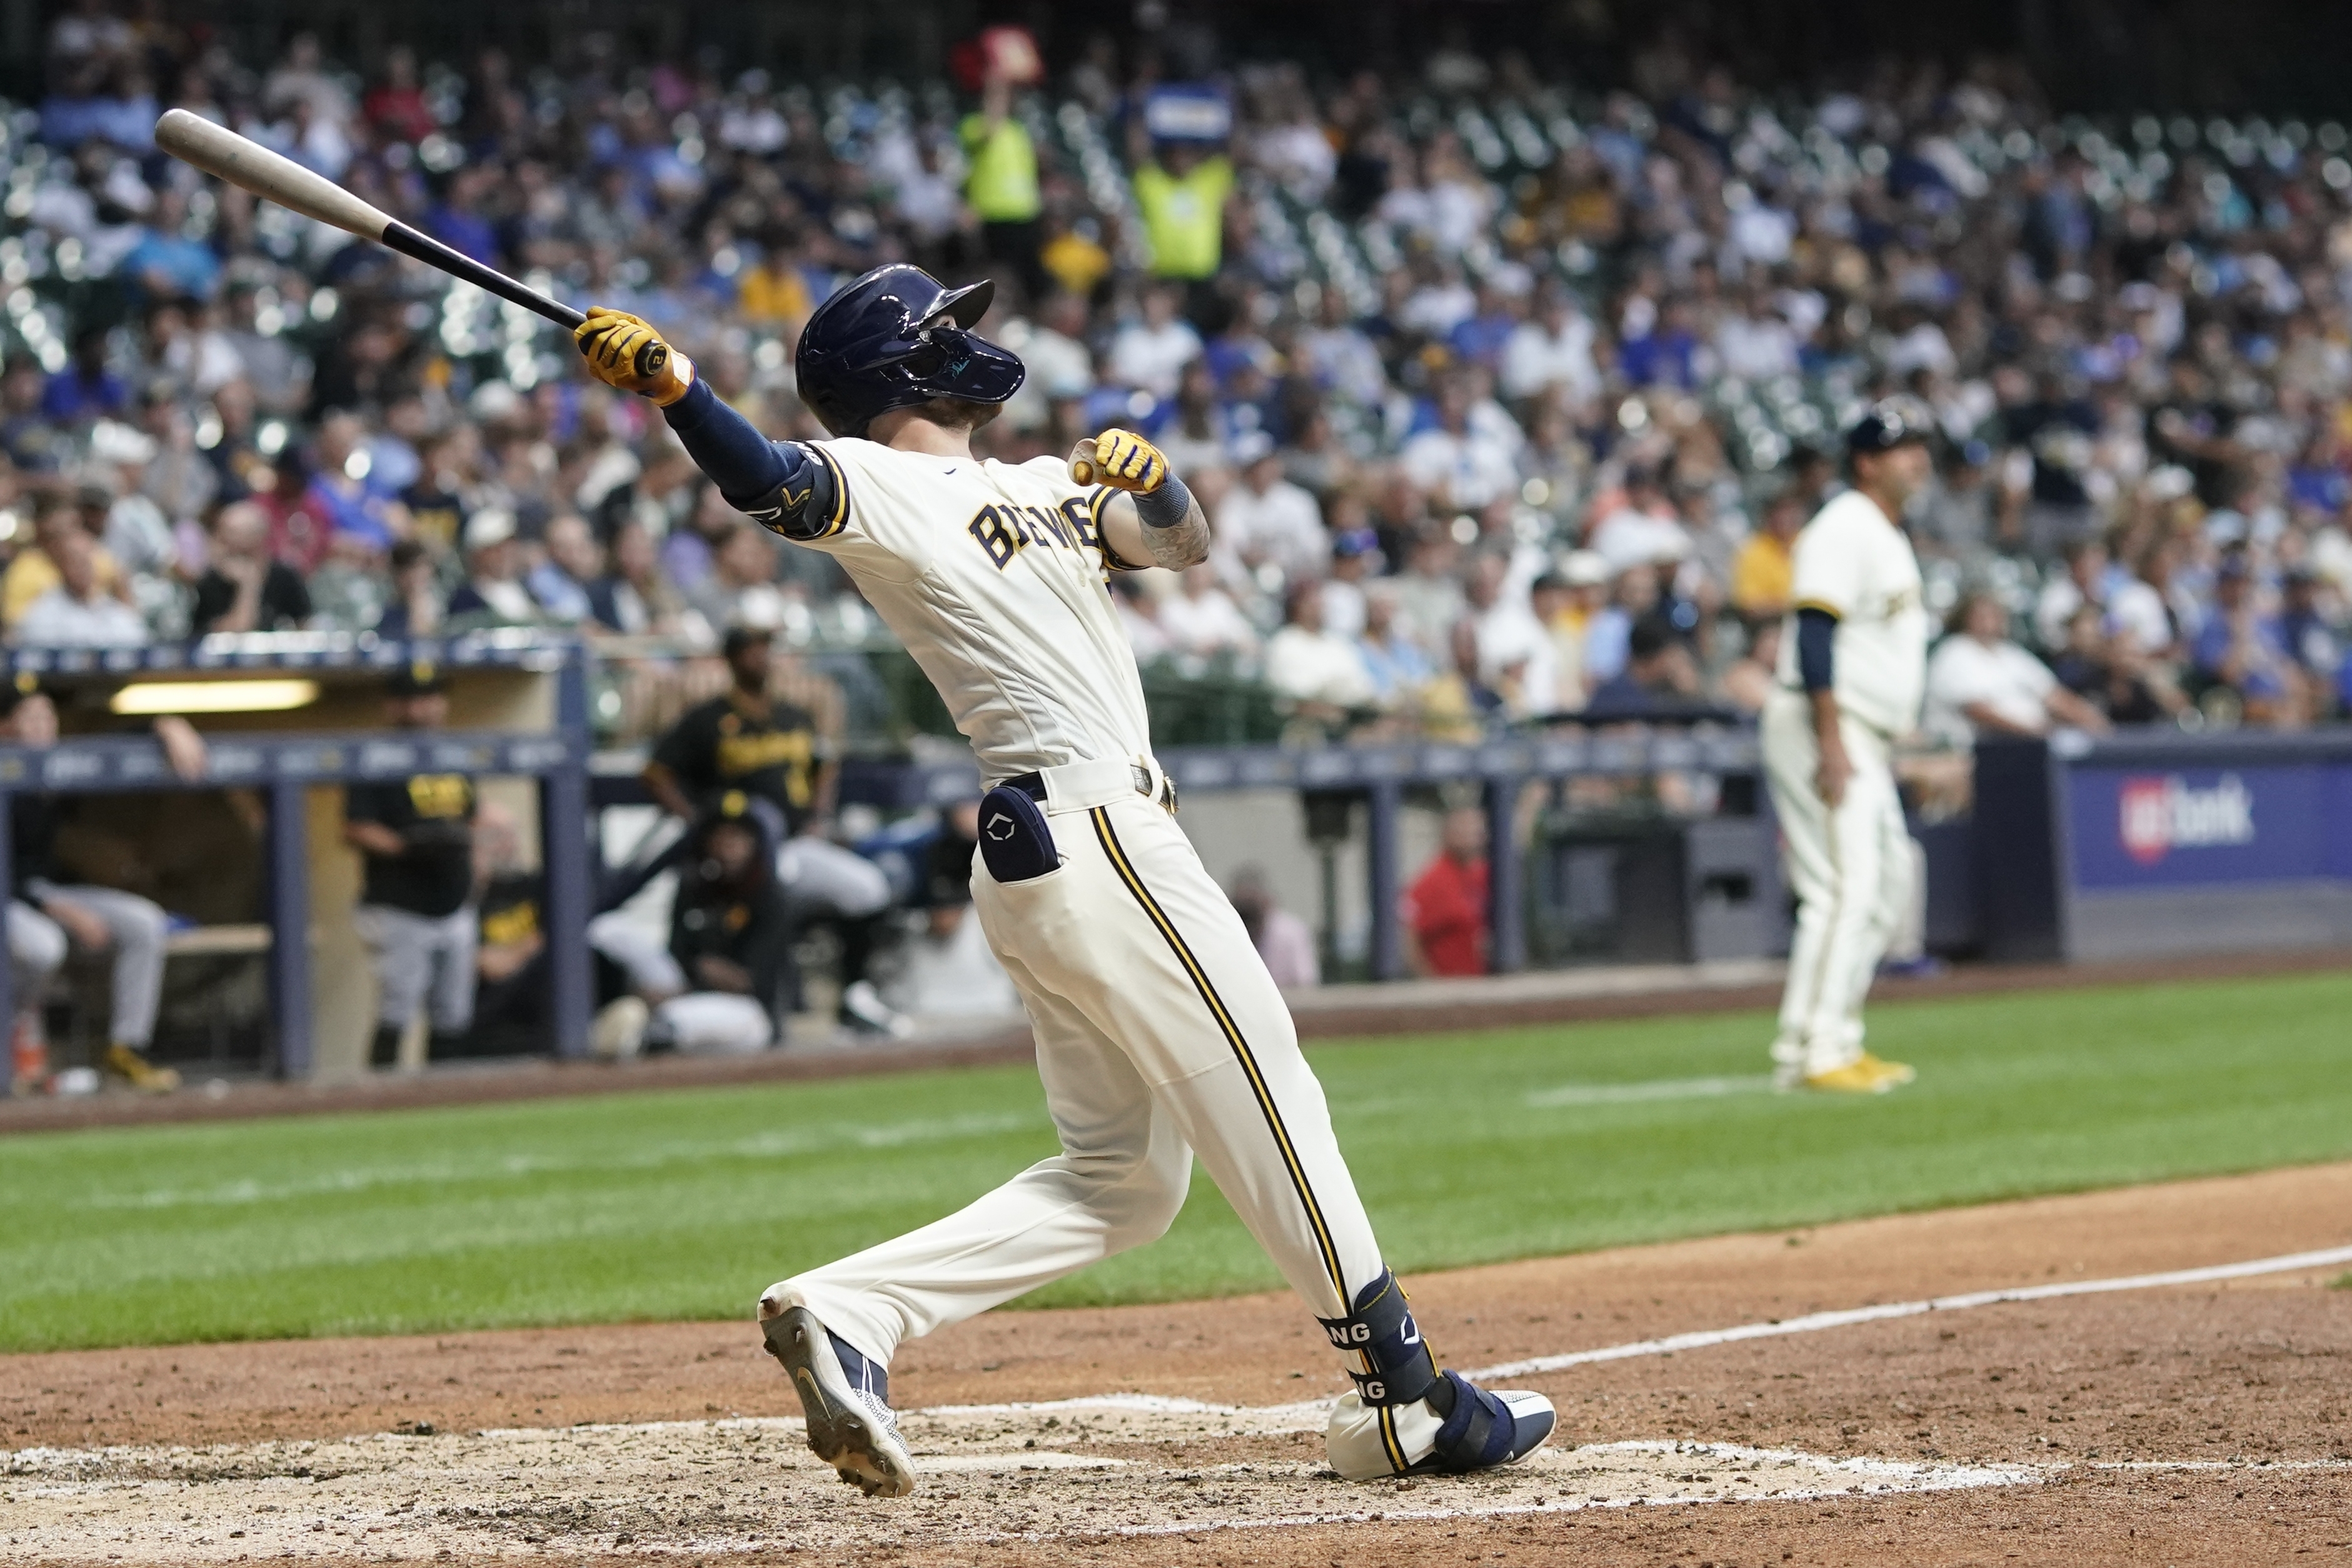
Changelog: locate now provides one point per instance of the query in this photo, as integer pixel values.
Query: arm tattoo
(1175, 530)
(1182, 544)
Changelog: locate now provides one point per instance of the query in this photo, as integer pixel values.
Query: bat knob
(651, 359)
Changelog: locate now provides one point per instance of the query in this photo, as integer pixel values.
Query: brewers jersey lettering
(991, 575)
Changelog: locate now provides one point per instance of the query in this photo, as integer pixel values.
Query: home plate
(1118, 1466)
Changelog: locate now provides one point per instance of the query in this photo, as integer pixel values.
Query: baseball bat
(246, 165)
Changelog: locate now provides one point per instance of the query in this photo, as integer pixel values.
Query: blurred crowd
(1504, 400)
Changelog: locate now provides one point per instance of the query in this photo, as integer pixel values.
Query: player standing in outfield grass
(1853, 668)
(1160, 1034)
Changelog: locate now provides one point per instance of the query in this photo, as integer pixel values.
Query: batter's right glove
(1121, 459)
(624, 350)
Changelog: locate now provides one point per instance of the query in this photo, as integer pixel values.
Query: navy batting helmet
(896, 338)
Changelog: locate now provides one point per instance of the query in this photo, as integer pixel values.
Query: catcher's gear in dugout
(626, 352)
(897, 338)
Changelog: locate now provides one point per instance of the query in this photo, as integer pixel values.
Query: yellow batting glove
(1121, 459)
(624, 350)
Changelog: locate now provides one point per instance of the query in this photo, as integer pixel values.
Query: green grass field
(1468, 1148)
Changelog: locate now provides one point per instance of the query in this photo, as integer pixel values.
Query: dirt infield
(2203, 1424)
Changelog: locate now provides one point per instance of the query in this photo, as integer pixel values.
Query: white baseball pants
(1851, 869)
(1160, 1035)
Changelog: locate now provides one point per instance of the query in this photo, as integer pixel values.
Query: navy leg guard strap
(1399, 1367)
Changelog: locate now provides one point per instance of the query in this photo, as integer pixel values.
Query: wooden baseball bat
(246, 165)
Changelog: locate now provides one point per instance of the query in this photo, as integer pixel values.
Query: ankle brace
(1398, 1367)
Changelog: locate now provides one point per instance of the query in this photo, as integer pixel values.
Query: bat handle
(650, 359)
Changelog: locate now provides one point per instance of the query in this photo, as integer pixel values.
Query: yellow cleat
(123, 1062)
(1860, 1075)
(1896, 1073)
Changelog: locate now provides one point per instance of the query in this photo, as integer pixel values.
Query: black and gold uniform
(767, 749)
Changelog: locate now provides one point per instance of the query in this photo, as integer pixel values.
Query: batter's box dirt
(727, 1487)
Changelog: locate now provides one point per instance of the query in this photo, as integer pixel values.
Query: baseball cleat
(1486, 1428)
(1406, 1416)
(845, 1397)
(1863, 1074)
(1896, 1073)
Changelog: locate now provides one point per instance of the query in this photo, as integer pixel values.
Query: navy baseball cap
(1889, 423)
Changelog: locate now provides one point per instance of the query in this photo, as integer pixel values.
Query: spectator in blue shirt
(2243, 649)
(165, 264)
(1479, 339)
(85, 390)
(456, 221)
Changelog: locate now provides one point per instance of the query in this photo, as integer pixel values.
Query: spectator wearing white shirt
(1981, 683)
(1465, 468)
(2084, 582)
(1753, 342)
(1642, 532)
(1515, 652)
(1552, 349)
(1203, 621)
(1318, 676)
(1267, 520)
(1151, 352)
(1340, 357)
(1053, 347)
(78, 612)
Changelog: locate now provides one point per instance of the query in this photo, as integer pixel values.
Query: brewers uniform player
(1160, 1035)
(1852, 669)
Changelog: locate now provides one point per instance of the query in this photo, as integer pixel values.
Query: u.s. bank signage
(2155, 815)
(2141, 828)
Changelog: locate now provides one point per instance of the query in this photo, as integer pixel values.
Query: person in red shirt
(1445, 908)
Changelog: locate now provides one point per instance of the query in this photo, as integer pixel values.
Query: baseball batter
(1853, 668)
(1160, 1034)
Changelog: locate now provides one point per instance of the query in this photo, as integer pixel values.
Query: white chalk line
(1642, 1093)
(1814, 1322)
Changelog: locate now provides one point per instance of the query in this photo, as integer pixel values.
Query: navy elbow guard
(1816, 640)
(805, 503)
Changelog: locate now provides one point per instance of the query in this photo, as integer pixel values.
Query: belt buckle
(1166, 798)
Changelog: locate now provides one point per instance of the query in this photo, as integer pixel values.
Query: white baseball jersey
(1854, 564)
(991, 575)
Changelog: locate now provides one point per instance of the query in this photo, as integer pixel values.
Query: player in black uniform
(417, 838)
(769, 750)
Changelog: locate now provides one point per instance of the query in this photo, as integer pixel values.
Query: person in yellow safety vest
(1002, 186)
(1181, 194)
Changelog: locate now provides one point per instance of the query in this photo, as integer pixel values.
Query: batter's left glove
(624, 350)
(1121, 459)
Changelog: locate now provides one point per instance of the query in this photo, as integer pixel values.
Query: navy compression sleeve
(781, 484)
(1816, 636)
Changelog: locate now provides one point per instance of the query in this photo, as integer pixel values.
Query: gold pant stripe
(1118, 855)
